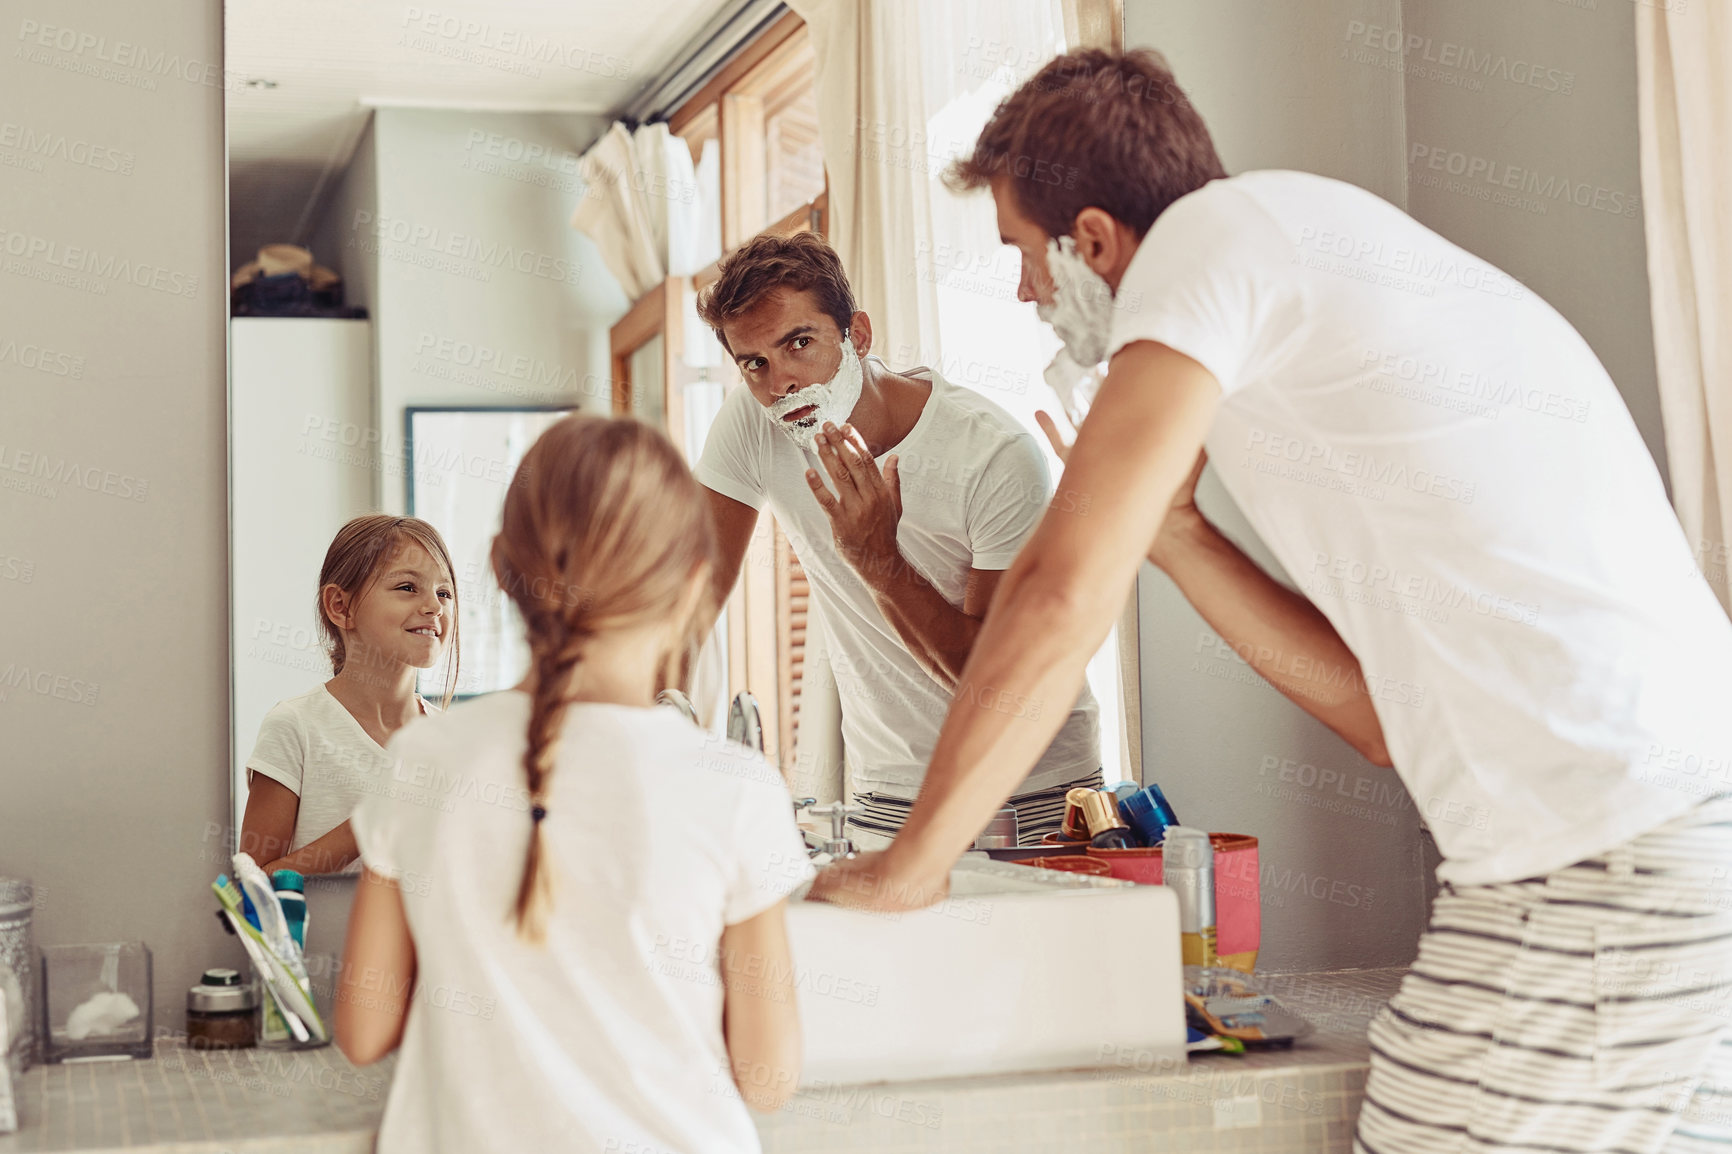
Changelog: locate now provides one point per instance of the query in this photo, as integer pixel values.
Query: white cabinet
(304, 457)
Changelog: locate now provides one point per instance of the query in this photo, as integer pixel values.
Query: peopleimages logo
(1365, 257)
(1499, 175)
(512, 42)
(1412, 48)
(93, 52)
(104, 266)
(46, 145)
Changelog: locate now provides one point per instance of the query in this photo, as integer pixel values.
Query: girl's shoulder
(316, 698)
(304, 709)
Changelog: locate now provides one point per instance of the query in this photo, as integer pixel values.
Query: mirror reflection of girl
(388, 607)
(571, 917)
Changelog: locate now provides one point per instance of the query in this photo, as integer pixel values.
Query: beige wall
(116, 805)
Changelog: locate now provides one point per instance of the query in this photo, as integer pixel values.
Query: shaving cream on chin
(835, 400)
(1081, 313)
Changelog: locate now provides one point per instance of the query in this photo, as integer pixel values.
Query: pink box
(1238, 896)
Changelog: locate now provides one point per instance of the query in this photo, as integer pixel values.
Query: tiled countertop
(315, 1102)
(203, 1102)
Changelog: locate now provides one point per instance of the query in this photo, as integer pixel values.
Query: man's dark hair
(1094, 129)
(802, 262)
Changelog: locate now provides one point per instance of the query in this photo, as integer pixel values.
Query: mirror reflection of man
(905, 498)
(1515, 560)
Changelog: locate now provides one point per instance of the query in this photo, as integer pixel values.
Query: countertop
(315, 1102)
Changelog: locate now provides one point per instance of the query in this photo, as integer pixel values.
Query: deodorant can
(1188, 867)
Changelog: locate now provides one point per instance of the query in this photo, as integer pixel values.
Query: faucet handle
(801, 803)
(839, 845)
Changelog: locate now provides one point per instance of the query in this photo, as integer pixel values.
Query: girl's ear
(337, 607)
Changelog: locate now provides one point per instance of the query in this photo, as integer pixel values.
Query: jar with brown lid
(221, 1012)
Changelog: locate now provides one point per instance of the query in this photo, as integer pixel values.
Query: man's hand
(867, 505)
(872, 881)
(1182, 514)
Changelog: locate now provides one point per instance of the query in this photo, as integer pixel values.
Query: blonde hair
(603, 528)
(353, 562)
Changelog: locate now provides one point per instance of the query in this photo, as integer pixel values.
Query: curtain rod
(701, 58)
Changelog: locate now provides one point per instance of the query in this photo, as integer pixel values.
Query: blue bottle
(291, 891)
(1148, 813)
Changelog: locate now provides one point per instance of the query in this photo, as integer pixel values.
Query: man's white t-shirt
(316, 747)
(609, 1036)
(974, 485)
(1446, 470)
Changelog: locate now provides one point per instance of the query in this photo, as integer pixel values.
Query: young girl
(572, 916)
(388, 606)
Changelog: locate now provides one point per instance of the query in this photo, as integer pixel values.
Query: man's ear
(860, 332)
(1097, 239)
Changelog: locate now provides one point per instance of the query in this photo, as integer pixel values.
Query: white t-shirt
(1446, 470)
(609, 1037)
(313, 745)
(974, 485)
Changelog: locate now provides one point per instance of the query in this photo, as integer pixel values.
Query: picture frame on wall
(458, 462)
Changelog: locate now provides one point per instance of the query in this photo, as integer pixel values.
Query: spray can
(1188, 867)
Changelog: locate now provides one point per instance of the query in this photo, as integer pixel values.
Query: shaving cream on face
(835, 400)
(1081, 313)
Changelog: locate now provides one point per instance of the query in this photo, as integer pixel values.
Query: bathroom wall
(113, 518)
(484, 294)
(1371, 91)
(1570, 228)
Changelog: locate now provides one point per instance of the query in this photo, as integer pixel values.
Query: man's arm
(1053, 608)
(939, 635)
(1279, 634)
(734, 523)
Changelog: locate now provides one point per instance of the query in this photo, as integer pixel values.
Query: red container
(1070, 863)
(1238, 901)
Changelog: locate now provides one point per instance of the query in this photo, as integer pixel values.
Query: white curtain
(643, 206)
(904, 87)
(1684, 71)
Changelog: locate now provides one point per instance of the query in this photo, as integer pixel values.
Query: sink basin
(1020, 969)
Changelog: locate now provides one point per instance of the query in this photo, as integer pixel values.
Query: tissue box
(96, 1001)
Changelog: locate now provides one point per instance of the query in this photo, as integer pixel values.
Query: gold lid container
(1101, 812)
(1075, 825)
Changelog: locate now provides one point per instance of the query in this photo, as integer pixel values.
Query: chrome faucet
(838, 845)
(745, 723)
(674, 699)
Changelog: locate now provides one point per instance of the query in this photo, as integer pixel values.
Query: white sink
(1018, 970)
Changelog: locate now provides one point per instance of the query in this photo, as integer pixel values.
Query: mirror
(428, 273)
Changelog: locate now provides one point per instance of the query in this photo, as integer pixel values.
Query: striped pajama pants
(1587, 1010)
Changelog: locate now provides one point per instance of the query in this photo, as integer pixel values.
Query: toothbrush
(285, 990)
(258, 955)
(285, 987)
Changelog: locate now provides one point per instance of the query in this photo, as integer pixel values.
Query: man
(1515, 559)
(902, 554)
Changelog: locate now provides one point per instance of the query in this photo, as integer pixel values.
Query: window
(753, 136)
